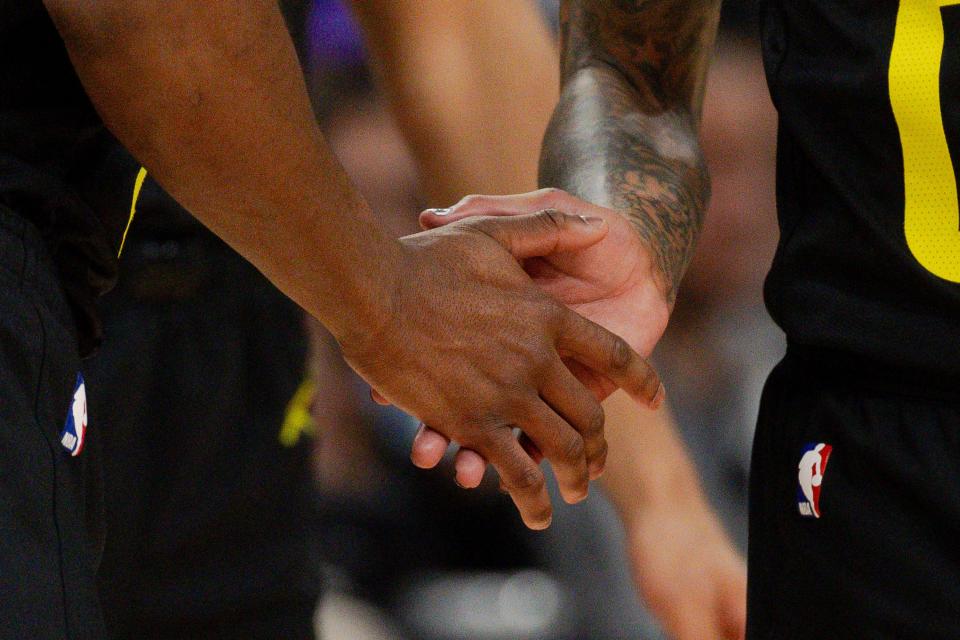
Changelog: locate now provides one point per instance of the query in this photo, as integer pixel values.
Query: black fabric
(50, 508)
(209, 517)
(882, 561)
(844, 279)
(59, 166)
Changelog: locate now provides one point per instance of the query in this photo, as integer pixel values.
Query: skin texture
(209, 96)
(458, 106)
(624, 134)
(683, 562)
(624, 138)
(687, 570)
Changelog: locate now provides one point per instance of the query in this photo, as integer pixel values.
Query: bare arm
(472, 85)
(687, 570)
(624, 134)
(209, 96)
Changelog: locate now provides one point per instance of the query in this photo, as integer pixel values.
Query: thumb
(543, 233)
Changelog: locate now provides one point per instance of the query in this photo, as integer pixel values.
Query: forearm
(209, 96)
(625, 132)
(647, 464)
(473, 99)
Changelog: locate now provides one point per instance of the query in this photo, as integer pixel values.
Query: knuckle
(596, 420)
(482, 430)
(574, 449)
(552, 313)
(651, 384)
(518, 407)
(599, 458)
(621, 355)
(551, 194)
(528, 479)
(469, 200)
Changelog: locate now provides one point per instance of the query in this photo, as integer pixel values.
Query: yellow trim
(299, 418)
(931, 211)
(137, 186)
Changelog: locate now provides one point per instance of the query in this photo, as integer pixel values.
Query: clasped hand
(470, 345)
(614, 282)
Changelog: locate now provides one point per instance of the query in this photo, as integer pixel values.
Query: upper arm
(662, 47)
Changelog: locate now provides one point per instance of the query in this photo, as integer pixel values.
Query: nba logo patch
(75, 427)
(813, 464)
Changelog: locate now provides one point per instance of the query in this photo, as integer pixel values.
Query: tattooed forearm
(624, 134)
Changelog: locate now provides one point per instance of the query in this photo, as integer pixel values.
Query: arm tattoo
(624, 134)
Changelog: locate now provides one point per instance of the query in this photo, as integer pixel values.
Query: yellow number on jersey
(931, 215)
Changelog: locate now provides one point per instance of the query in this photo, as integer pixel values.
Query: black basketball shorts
(854, 507)
(49, 510)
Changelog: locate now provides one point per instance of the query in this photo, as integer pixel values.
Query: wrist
(677, 492)
(371, 295)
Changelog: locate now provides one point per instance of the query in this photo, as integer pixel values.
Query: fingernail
(596, 470)
(596, 222)
(659, 397)
(439, 212)
(457, 481)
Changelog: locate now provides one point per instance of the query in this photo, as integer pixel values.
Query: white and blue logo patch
(75, 427)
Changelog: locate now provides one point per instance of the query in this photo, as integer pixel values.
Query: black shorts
(859, 537)
(210, 518)
(50, 533)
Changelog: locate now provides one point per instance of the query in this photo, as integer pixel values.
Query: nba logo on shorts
(75, 428)
(813, 464)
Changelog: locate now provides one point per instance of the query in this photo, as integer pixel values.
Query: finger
(476, 205)
(563, 446)
(470, 467)
(379, 399)
(543, 233)
(523, 480)
(428, 447)
(531, 448)
(609, 355)
(579, 407)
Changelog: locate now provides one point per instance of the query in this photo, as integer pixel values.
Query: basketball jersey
(868, 264)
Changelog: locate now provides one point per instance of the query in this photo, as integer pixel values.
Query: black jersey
(868, 265)
(59, 166)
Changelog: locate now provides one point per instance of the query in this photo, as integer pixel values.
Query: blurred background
(404, 553)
